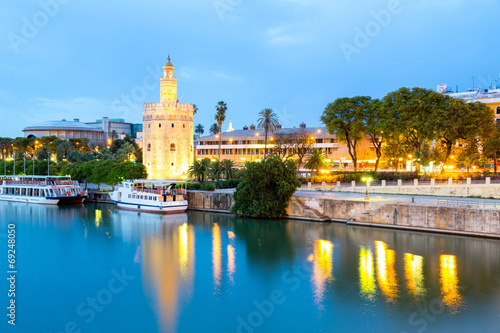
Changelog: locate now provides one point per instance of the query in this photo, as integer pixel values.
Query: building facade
(118, 125)
(66, 130)
(168, 132)
(490, 97)
(248, 145)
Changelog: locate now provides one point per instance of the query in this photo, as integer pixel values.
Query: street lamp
(367, 180)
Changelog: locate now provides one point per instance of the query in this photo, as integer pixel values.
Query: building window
(498, 109)
(149, 125)
(172, 164)
(172, 147)
(159, 125)
(172, 125)
(149, 147)
(183, 125)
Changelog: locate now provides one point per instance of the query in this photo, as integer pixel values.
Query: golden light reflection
(414, 274)
(322, 267)
(367, 285)
(231, 235)
(386, 274)
(449, 282)
(216, 254)
(183, 249)
(231, 262)
(98, 217)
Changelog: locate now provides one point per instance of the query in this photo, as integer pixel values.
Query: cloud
(282, 37)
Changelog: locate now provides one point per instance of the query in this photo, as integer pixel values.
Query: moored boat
(48, 190)
(158, 196)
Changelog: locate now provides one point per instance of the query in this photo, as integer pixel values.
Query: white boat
(158, 196)
(48, 190)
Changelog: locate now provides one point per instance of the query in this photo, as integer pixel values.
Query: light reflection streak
(231, 257)
(98, 217)
(386, 274)
(322, 267)
(183, 249)
(449, 282)
(368, 287)
(216, 254)
(414, 274)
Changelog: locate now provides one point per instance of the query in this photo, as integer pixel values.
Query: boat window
(129, 196)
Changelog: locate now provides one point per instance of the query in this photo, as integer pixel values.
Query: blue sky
(89, 59)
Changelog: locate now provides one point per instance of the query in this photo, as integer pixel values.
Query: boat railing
(23, 182)
(175, 191)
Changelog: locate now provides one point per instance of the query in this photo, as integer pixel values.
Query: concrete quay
(470, 217)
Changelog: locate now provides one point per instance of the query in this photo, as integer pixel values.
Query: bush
(267, 188)
(231, 183)
(189, 186)
(207, 186)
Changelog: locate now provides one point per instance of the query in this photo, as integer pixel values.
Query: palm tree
(215, 169)
(316, 160)
(220, 116)
(268, 121)
(199, 129)
(228, 169)
(113, 135)
(199, 169)
(63, 150)
(214, 129)
(195, 109)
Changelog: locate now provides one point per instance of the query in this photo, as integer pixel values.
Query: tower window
(498, 109)
(172, 164)
(159, 125)
(172, 125)
(149, 125)
(183, 125)
(172, 147)
(149, 147)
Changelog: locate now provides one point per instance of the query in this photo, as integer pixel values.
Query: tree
(195, 109)
(199, 169)
(214, 129)
(125, 152)
(113, 135)
(301, 145)
(469, 154)
(220, 116)
(491, 148)
(316, 160)
(266, 189)
(63, 150)
(283, 145)
(199, 129)
(413, 116)
(375, 124)
(344, 118)
(268, 121)
(394, 150)
(228, 169)
(215, 169)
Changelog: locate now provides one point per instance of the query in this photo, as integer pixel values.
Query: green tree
(199, 169)
(220, 116)
(125, 152)
(199, 129)
(195, 109)
(113, 135)
(345, 118)
(267, 188)
(394, 150)
(63, 150)
(228, 169)
(215, 169)
(375, 124)
(214, 129)
(316, 160)
(268, 121)
(491, 148)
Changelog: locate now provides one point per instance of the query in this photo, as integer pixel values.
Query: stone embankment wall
(454, 220)
(99, 197)
(486, 190)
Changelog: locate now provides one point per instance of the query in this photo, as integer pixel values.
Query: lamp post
(367, 180)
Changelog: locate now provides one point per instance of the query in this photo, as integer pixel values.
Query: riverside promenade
(441, 214)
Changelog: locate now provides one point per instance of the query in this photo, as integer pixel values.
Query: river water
(94, 268)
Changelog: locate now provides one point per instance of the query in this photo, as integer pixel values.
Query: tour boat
(49, 190)
(158, 196)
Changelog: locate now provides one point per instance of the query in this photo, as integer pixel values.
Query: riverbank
(461, 217)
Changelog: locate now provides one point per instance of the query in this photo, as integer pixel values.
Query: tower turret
(168, 83)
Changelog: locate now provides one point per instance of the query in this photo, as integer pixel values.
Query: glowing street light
(367, 180)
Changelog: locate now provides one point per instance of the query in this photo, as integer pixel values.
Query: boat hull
(28, 199)
(152, 208)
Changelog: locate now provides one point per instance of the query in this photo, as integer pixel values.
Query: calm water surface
(93, 268)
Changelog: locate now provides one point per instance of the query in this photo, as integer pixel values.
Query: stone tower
(167, 132)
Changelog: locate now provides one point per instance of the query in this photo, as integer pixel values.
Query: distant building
(490, 97)
(118, 125)
(248, 145)
(168, 131)
(64, 129)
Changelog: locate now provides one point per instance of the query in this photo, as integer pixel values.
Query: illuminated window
(172, 147)
(149, 147)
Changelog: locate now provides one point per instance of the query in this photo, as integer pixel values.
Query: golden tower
(167, 131)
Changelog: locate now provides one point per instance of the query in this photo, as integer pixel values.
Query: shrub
(208, 186)
(231, 183)
(267, 188)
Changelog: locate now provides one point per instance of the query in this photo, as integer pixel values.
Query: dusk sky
(89, 59)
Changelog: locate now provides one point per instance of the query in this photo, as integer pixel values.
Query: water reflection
(368, 288)
(449, 282)
(322, 267)
(168, 260)
(386, 273)
(231, 257)
(216, 254)
(414, 274)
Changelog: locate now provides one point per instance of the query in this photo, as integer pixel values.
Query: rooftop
(252, 133)
(62, 125)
